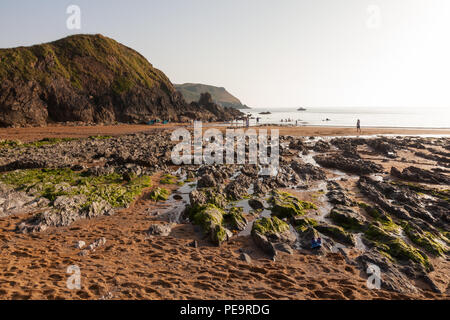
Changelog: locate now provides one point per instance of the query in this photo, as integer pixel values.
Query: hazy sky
(284, 53)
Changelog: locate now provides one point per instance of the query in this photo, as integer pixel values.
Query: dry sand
(133, 265)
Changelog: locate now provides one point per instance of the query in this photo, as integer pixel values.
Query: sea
(347, 117)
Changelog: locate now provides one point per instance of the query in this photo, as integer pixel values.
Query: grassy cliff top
(81, 57)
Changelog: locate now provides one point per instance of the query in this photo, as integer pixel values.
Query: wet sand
(37, 133)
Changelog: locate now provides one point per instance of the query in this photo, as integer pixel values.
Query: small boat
(301, 109)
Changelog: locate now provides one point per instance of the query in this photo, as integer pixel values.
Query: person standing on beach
(358, 126)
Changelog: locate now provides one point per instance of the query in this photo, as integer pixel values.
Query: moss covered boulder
(234, 218)
(302, 223)
(305, 228)
(210, 219)
(168, 179)
(267, 232)
(285, 205)
(337, 233)
(204, 196)
(159, 194)
(347, 218)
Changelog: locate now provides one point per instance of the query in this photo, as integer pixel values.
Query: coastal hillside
(88, 79)
(192, 91)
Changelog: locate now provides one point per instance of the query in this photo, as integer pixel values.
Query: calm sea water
(347, 117)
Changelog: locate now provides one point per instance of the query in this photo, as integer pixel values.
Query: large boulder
(285, 205)
(267, 232)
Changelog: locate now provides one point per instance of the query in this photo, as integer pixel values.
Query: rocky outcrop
(90, 79)
(420, 175)
(192, 91)
(270, 232)
(351, 165)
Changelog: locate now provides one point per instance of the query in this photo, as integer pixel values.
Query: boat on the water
(301, 109)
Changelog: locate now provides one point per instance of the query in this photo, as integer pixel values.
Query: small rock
(80, 244)
(160, 229)
(283, 247)
(193, 244)
(255, 204)
(245, 257)
(83, 253)
(178, 197)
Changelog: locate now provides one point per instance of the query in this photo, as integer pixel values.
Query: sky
(279, 54)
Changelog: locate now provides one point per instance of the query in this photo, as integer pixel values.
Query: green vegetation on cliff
(81, 57)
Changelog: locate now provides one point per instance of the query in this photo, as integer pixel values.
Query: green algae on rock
(270, 226)
(347, 218)
(204, 196)
(159, 194)
(395, 247)
(234, 217)
(302, 224)
(52, 183)
(168, 179)
(337, 233)
(379, 215)
(285, 205)
(210, 218)
(424, 239)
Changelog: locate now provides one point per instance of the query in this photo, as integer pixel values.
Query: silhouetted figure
(358, 126)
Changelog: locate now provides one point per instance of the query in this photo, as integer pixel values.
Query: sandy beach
(133, 264)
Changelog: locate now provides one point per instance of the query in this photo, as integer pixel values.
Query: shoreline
(36, 133)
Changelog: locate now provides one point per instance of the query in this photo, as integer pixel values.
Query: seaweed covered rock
(210, 219)
(234, 218)
(424, 239)
(159, 194)
(204, 196)
(266, 232)
(392, 278)
(305, 229)
(285, 205)
(64, 211)
(73, 195)
(347, 218)
(336, 233)
(394, 247)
